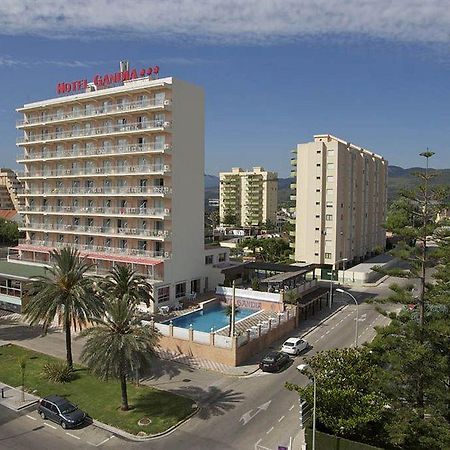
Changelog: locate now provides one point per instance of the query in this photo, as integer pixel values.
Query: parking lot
(87, 434)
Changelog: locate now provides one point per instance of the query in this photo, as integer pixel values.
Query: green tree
(229, 313)
(348, 403)
(230, 218)
(65, 293)
(9, 232)
(119, 345)
(250, 244)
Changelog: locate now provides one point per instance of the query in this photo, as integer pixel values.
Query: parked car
(294, 346)
(273, 361)
(61, 411)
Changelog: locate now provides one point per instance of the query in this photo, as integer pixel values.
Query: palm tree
(122, 280)
(119, 344)
(229, 313)
(64, 292)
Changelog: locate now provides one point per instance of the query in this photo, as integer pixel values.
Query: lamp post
(304, 368)
(344, 260)
(357, 312)
(333, 268)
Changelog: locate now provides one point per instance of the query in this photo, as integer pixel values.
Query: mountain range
(398, 178)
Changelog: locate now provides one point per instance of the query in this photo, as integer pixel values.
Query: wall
(248, 298)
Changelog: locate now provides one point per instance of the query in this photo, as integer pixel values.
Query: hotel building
(249, 197)
(340, 201)
(117, 173)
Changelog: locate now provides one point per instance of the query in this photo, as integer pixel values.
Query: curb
(133, 437)
(25, 405)
(324, 320)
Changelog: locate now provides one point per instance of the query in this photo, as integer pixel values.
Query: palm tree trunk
(68, 344)
(123, 387)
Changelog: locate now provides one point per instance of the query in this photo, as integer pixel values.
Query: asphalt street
(235, 413)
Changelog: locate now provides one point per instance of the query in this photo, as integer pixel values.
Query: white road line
(257, 442)
(30, 417)
(72, 435)
(281, 418)
(269, 430)
(292, 407)
(327, 332)
(107, 439)
(51, 426)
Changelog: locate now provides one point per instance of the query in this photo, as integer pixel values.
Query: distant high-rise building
(340, 201)
(248, 198)
(10, 186)
(117, 173)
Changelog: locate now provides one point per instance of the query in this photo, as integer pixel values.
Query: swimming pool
(214, 316)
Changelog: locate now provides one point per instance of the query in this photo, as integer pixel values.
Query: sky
(275, 72)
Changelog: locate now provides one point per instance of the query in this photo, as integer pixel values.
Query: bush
(58, 372)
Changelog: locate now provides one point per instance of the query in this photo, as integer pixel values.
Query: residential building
(340, 198)
(248, 198)
(10, 186)
(117, 173)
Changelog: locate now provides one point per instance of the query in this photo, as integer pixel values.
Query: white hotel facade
(118, 173)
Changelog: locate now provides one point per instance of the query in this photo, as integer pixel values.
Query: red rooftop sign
(105, 81)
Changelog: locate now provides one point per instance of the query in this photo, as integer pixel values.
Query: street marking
(101, 443)
(72, 435)
(51, 426)
(327, 332)
(269, 430)
(257, 442)
(292, 407)
(281, 418)
(245, 418)
(30, 417)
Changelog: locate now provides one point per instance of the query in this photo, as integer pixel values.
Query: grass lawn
(100, 399)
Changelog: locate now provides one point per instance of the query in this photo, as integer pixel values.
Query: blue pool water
(214, 316)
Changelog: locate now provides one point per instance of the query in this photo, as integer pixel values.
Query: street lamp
(344, 260)
(333, 268)
(357, 312)
(304, 368)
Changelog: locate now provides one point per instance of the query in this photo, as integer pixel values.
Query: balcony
(95, 248)
(107, 130)
(96, 171)
(293, 186)
(97, 211)
(95, 230)
(153, 147)
(130, 190)
(99, 111)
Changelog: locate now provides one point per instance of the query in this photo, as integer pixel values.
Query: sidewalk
(12, 398)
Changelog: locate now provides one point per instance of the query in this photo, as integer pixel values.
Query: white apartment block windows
(330, 179)
(330, 166)
(222, 257)
(329, 217)
(327, 255)
(208, 259)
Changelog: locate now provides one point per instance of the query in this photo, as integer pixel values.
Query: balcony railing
(94, 112)
(95, 151)
(97, 131)
(97, 171)
(96, 248)
(134, 232)
(149, 190)
(97, 210)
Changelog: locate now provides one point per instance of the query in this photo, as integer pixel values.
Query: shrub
(58, 372)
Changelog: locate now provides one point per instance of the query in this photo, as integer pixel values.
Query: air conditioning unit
(167, 102)
(167, 146)
(166, 255)
(167, 124)
(166, 168)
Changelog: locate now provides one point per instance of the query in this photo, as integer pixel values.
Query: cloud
(231, 21)
(8, 61)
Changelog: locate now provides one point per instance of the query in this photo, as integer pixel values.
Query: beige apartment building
(10, 186)
(249, 197)
(340, 197)
(117, 173)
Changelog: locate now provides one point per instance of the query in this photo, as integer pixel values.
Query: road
(235, 413)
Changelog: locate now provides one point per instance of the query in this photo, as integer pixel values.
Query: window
(317, 216)
(327, 255)
(329, 204)
(222, 257)
(329, 193)
(209, 259)
(331, 152)
(318, 165)
(330, 179)
(317, 190)
(317, 178)
(317, 203)
(329, 217)
(164, 294)
(180, 290)
(330, 166)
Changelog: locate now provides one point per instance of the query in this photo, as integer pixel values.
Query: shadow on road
(163, 367)
(19, 332)
(212, 401)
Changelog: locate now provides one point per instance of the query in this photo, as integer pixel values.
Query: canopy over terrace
(289, 280)
(153, 268)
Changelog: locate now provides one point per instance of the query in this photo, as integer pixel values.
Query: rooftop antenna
(124, 65)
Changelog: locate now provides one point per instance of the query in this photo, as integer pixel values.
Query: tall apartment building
(340, 195)
(250, 197)
(10, 186)
(118, 174)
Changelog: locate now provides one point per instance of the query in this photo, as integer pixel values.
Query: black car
(273, 361)
(61, 411)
